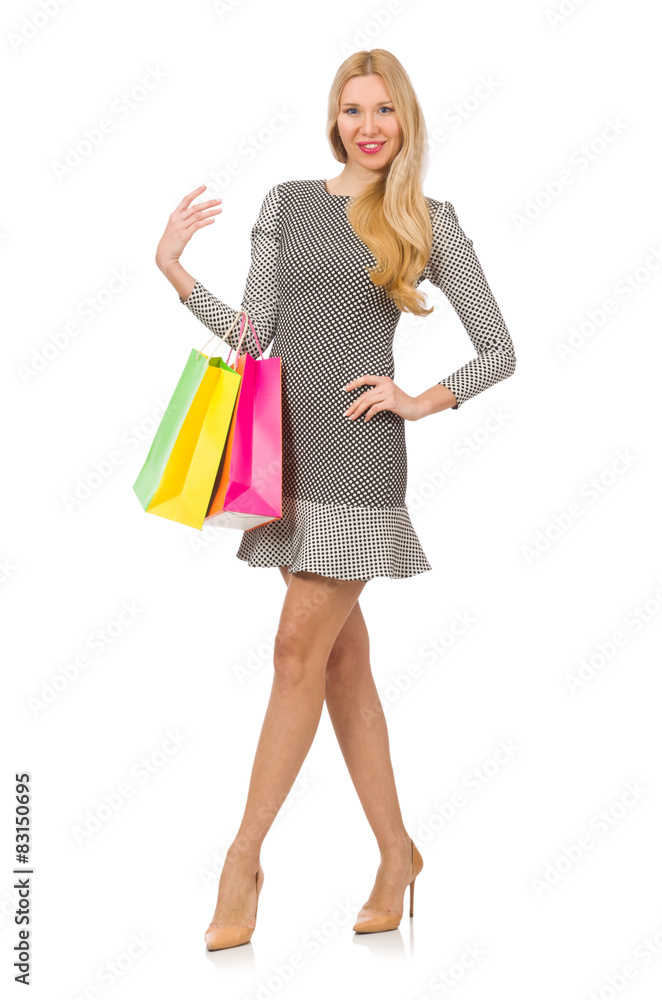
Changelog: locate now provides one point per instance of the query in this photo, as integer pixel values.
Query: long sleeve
(260, 299)
(455, 269)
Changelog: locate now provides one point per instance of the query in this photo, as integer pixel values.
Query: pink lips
(369, 151)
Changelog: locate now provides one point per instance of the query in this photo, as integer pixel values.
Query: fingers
(202, 206)
(188, 198)
(192, 195)
(369, 411)
(199, 213)
(362, 404)
(374, 379)
(376, 398)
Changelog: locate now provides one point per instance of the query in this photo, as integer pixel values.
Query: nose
(369, 126)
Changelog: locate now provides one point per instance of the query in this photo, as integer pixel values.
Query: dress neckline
(323, 183)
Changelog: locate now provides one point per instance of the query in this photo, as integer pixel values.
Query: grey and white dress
(309, 296)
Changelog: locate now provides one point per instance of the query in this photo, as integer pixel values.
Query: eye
(384, 107)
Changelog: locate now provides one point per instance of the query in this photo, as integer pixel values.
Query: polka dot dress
(309, 296)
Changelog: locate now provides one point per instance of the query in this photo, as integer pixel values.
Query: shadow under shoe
(370, 919)
(219, 936)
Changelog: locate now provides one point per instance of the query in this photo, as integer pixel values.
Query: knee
(344, 663)
(292, 664)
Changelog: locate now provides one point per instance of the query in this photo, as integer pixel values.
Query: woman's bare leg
(359, 723)
(314, 611)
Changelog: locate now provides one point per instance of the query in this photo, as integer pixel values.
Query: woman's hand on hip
(384, 395)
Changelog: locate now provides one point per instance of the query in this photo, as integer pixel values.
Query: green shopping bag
(150, 475)
(188, 480)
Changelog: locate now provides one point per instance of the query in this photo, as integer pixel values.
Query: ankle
(243, 858)
(395, 846)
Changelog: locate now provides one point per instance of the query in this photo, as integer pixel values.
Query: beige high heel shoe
(385, 920)
(219, 936)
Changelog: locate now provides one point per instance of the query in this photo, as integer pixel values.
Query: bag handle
(244, 328)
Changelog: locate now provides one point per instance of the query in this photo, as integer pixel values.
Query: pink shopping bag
(249, 486)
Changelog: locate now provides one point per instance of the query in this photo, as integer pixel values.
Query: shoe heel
(411, 897)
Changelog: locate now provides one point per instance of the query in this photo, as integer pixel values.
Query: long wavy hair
(391, 216)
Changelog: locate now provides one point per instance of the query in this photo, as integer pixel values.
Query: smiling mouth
(370, 148)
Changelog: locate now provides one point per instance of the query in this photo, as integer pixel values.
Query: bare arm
(178, 277)
(435, 399)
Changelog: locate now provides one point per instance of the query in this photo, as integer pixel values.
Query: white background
(196, 658)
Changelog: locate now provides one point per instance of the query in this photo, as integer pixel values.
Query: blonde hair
(391, 216)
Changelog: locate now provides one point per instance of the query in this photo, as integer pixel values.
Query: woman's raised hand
(183, 222)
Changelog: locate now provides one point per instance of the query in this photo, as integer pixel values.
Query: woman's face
(368, 118)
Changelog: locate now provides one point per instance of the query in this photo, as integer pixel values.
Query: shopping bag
(249, 486)
(188, 478)
(149, 476)
(166, 433)
(185, 485)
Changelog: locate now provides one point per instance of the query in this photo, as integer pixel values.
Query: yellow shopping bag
(188, 480)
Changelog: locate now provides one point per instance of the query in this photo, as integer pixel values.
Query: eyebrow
(353, 104)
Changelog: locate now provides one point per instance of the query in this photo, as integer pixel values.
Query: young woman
(333, 265)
